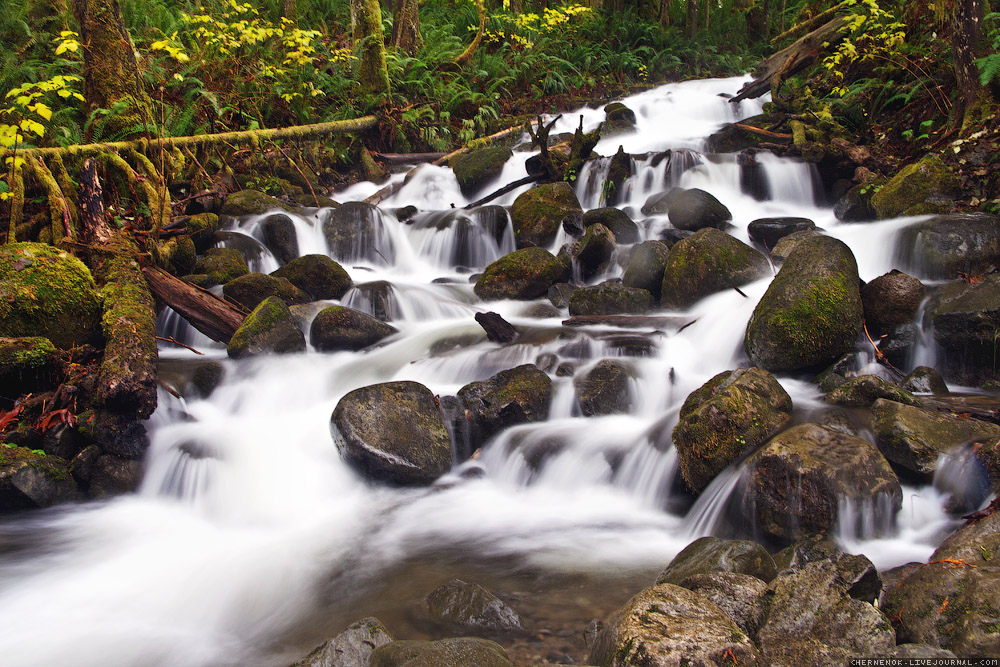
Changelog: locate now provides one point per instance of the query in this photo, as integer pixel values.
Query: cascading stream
(250, 538)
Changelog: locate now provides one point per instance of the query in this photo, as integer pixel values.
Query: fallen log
(810, 24)
(764, 133)
(792, 59)
(206, 312)
(498, 330)
(505, 189)
(408, 158)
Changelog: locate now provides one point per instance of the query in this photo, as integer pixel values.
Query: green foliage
(989, 65)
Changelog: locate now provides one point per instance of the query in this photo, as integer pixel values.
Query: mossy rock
(339, 328)
(392, 432)
(864, 390)
(786, 245)
(48, 293)
(309, 201)
(279, 236)
(202, 228)
(645, 267)
(221, 265)
(739, 595)
(593, 252)
(919, 183)
(946, 245)
(519, 395)
(251, 289)
(252, 202)
(351, 648)
(619, 170)
(476, 169)
(604, 389)
(523, 274)
(670, 625)
(269, 329)
(618, 118)
(711, 554)
(819, 468)
(455, 652)
(709, 261)
(891, 300)
(610, 298)
(924, 380)
(811, 313)
(696, 209)
(28, 365)
(178, 255)
(728, 416)
(966, 318)
(317, 275)
(616, 220)
(538, 214)
(31, 479)
(856, 205)
(914, 438)
(768, 231)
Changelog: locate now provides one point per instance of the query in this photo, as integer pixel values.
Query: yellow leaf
(42, 110)
(32, 126)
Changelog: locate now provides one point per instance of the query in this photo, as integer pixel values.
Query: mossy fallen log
(206, 312)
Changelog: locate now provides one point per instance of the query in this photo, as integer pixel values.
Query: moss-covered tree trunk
(111, 74)
(369, 45)
(49, 15)
(406, 26)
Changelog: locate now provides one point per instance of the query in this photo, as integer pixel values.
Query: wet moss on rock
(269, 329)
(523, 274)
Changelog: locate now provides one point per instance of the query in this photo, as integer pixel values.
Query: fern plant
(989, 66)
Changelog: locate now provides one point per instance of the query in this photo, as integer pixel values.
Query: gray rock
(736, 594)
(966, 318)
(30, 479)
(659, 203)
(924, 380)
(604, 389)
(593, 252)
(616, 220)
(523, 274)
(864, 390)
(696, 209)
(456, 652)
(707, 262)
(338, 328)
(948, 244)
(891, 299)
(645, 267)
(355, 232)
(711, 554)
(251, 289)
(351, 648)
(278, 233)
(317, 275)
(786, 244)
(609, 298)
(471, 609)
(519, 395)
(768, 231)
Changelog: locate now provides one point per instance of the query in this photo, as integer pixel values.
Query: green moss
(522, 274)
(54, 467)
(930, 177)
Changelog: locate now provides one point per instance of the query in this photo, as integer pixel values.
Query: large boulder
(28, 365)
(670, 626)
(914, 438)
(277, 231)
(30, 479)
(609, 298)
(455, 652)
(924, 380)
(393, 432)
(467, 608)
(711, 554)
(787, 244)
(523, 274)
(48, 293)
(476, 169)
(355, 232)
(730, 415)
(966, 318)
(891, 300)
(696, 209)
(811, 313)
(339, 328)
(538, 213)
(351, 648)
(593, 252)
(377, 298)
(927, 182)
(946, 245)
(739, 595)
(659, 203)
(862, 391)
(252, 202)
(822, 614)
(220, 265)
(604, 389)
(515, 396)
(645, 267)
(801, 478)
(953, 600)
(707, 262)
(269, 329)
(616, 220)
(768, 231)
(251, 289)
(317, 275)
(617, 118)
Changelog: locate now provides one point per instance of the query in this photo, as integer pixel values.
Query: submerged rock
(604, 389)
(645, 267)
(924, 380)
(393, 432)
(616, 220)
(338, 328)
(470, 608)
(279, 236)
(355, 232)
(593, 252)
(696, 209)
(351, 648)
(707, 262)
(966, 318)
(538, 214)
(519, 395)
(269, 329)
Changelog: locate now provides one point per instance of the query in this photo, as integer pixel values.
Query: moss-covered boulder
(251, 289)
(891, 300)
(947, 245)
(953, 601)
(221, 265)
(696, 209)
(604, 389)
(616, 220)
(252, 202)
(523, 274)
(856, 204)
(966, 318)
(822, 614)
(392, 432)
(864, 390)
(356, 232)
(338, 328)
(28, 365)
(707, 262)
(268, 329)
(455, 652)
(48, 293)
(914, 438)
(787, 244)
(278, 233)
(928, 181)
(801, 478)
(768, 231)
(731, 414)
(30, 479)
(711, 554)
(178, 255)
(538, 214)
(811, 313)
(518, 395)
(317, 275)
(202, 228)
(618, 118)
(471, 609)
(667, 625)
(594, 251)
(645, 267)
(351, 648)
(924, 380)
(476, 169)
(609, 298)
(308, 200)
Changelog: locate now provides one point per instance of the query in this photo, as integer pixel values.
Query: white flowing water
(250, 538)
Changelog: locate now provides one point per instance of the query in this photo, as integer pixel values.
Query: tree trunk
(692, 18)
(406, 26)
(111, 78)
(966, 18)
(48, 15)
(664, 13)
(369, 45)
(290, 10)
(466, 55)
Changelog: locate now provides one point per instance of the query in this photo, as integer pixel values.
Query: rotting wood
(810, 24)
(408, 158)
(93, 218)
(764, 133)
(206, 312)
(16, 202)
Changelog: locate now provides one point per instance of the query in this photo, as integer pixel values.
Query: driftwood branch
(764, 133)
(505, 189)
(206, 312)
